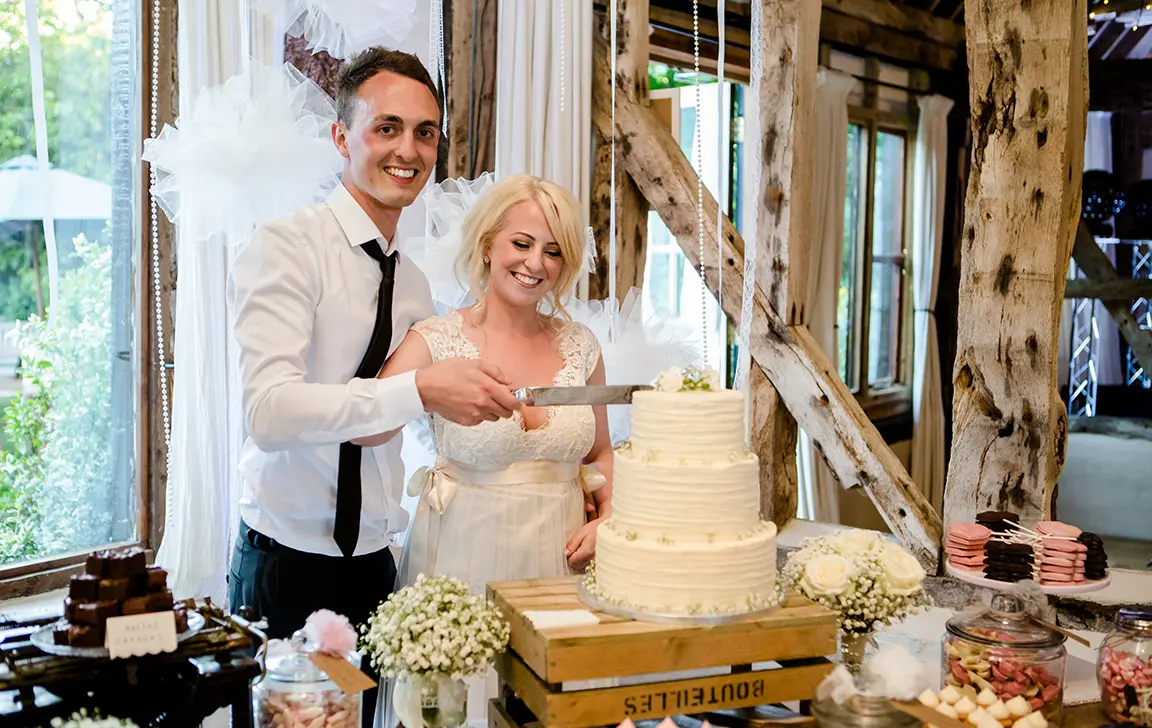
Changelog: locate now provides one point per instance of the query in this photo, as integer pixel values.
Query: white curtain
(819, 490)
(207, 429)
(544, 92)
(929, 178)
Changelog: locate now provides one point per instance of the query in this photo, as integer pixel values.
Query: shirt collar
(353, 220)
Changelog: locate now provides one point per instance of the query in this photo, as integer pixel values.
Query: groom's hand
(466, 391)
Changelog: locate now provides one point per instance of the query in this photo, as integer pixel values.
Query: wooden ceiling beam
(1116, 289)
(906, 19)
(1120, 85)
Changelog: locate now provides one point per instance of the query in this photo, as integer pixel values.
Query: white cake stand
(978, 578)
(681, 620)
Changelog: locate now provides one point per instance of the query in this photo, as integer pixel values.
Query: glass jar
(860, 711)
(294, 692)
(1124, 667)
(1003, 649)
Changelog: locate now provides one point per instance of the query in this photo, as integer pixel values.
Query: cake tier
(661, 496)
(728, 576)
(701, 426)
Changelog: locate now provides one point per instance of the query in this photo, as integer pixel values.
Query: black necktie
(346, 530)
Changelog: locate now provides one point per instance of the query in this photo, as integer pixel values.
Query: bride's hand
(582, 547)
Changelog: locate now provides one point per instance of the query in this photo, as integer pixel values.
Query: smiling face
(390, 143)
(525, 259)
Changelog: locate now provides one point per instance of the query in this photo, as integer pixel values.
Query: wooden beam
(782, 129)
(1121, 85)
(897, 16)
(631, 207)
(1117, 289)
(807, 380)
(861, 36)
(1095, 264)
(1029, 107)
(471, 71)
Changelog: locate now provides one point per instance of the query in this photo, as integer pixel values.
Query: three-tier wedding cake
(685, 535)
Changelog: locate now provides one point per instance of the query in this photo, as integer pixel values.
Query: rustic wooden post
(631, 207)
(805, 378)
(1028, 68)
(471, 70)
(785, 127)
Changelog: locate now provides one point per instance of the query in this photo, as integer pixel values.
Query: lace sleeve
(437, 333)
(589, 349)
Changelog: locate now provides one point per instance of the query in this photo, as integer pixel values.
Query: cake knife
(552, 396)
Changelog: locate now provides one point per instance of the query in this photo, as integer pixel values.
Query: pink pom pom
(330, 632)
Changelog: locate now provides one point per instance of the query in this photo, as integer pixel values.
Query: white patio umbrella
(22, 193)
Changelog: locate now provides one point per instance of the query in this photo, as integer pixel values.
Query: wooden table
(539, 662)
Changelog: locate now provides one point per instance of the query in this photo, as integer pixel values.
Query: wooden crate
(538, 661)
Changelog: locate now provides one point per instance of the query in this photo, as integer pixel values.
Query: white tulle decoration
(344, 27)
(635, 348)
(248, 151)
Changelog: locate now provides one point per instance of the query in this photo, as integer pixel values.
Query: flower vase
(430, 701)
(852, 647)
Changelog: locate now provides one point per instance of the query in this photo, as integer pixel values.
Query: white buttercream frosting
(685, 535)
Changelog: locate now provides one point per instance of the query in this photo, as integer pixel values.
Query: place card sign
(141, 634)
(351, 680)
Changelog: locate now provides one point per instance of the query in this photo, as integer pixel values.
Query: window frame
(37, 576)
(894, 400)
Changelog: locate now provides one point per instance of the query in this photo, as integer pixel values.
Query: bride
(505, 499)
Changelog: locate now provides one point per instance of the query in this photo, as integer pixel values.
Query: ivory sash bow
(437, 486)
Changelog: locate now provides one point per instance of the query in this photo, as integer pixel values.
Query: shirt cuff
(401, 395)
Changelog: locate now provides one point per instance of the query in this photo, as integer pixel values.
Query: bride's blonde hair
(490, 215)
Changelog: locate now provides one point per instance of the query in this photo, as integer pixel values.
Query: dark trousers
(284, 586)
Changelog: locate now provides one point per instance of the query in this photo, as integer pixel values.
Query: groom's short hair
(368, 63)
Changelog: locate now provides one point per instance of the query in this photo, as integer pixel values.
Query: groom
(321, 298)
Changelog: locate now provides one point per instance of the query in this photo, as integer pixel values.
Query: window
(672, 285)
(68, 292)
(873, 315)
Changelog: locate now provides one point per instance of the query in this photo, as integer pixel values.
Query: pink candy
(1122, 676)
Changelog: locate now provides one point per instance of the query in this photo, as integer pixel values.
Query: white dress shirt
(304, 295)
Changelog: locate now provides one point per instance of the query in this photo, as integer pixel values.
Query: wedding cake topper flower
(863, 577)
(688, 379)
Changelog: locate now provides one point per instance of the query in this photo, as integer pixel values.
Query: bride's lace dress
(502, 501)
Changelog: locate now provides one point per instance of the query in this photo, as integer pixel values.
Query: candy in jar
(1124, 667)
(1004, 650)
(294, 693)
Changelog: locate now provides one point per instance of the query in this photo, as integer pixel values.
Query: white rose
(902, 572)
(857, 541)
(669, 380)
(828, 575)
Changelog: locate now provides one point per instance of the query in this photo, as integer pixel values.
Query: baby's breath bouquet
(866, 579)
(434, 627)
(81, 719)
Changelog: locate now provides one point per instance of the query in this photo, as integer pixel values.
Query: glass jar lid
(862, 711)
(1004, 623)
(288, 661)
(1134, 619)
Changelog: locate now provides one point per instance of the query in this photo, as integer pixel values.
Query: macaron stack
(1095, 560)
(1061, 559)
(965, 545)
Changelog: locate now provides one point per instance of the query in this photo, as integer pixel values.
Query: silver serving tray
(680, 620)
(43, 640)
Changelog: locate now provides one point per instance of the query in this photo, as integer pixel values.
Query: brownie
(157, 579)
(181, 619)
(125, 563)
(96, 613)
(98, 564)
(114, 590)
(60, 632)
(80, 635)
(160, 601)
(1004, 547)
(134, 605)
(84, 587)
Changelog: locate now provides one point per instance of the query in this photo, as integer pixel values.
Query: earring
(487, 260)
